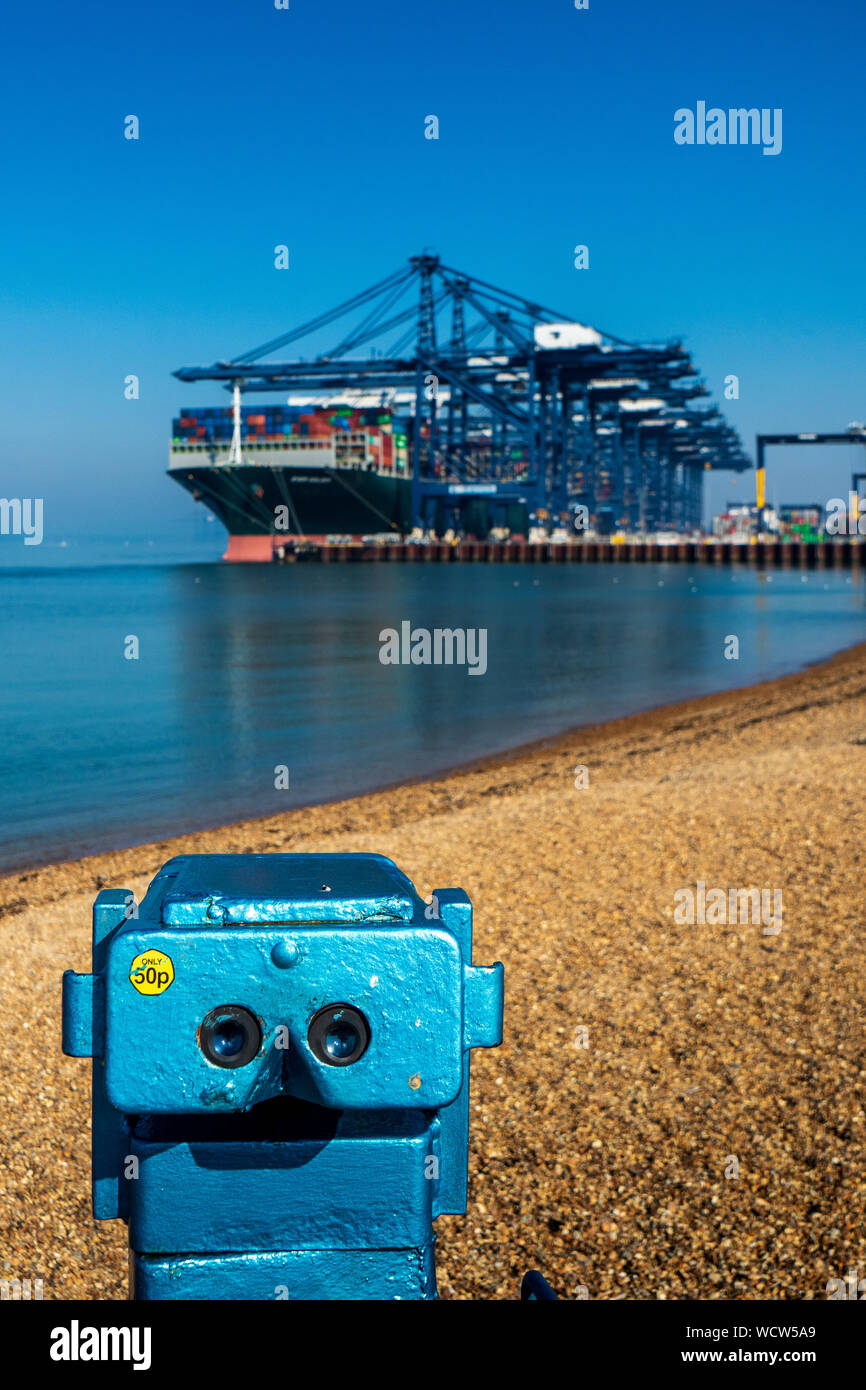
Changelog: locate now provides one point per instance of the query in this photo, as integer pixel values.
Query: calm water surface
(243, 669)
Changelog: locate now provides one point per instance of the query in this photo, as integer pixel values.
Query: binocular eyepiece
(339, 1035)
(231, 1036)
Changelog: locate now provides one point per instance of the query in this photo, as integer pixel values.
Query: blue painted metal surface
(311, 1275)
(281, 1073)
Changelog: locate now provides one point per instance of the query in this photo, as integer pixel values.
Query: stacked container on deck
(370, 434)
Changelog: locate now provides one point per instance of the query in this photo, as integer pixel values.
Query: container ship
(275, 473)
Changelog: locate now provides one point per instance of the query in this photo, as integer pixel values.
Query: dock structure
(517, 416)
(839, 553)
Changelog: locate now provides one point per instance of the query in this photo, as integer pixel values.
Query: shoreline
(603, 1163)
(488, 761)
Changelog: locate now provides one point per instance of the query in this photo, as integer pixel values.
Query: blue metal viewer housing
(280, 1049)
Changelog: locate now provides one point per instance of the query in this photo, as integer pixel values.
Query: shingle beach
(677, 1110)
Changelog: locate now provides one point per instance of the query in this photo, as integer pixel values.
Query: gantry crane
(507, 399)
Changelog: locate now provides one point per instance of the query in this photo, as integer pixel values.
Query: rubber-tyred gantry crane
(855, 434)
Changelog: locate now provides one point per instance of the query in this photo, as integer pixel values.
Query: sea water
(251, 689)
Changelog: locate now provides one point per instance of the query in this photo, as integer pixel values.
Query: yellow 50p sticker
(152, 972)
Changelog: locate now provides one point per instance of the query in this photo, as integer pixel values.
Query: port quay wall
(840, 553)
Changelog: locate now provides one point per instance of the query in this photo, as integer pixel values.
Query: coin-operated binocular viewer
(280, 1049)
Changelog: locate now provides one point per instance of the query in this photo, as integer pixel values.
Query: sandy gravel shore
(605, 1165)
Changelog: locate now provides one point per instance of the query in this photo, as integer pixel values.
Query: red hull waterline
(260, 549)
(250, 549)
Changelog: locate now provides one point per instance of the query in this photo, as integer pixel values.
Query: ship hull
(264, 506)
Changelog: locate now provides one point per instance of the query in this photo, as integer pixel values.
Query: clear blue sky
(306, 127)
